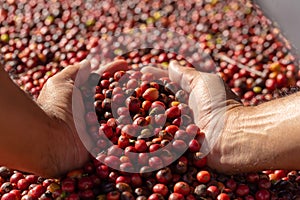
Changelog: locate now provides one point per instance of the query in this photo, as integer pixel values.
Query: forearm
(276, 125)
(25, 129)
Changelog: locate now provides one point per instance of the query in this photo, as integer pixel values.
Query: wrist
(259, 137)
(61, 148)
(66, 151)
(49, 164)
(238, 147)
(253, 138)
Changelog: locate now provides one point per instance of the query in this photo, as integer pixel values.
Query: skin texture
(40, 137)
(246, 138)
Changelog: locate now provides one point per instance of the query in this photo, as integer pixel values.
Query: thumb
(209, 86)
(207, 100)
(184, 76)
(113, 67)
(79, 73)
(157, 72)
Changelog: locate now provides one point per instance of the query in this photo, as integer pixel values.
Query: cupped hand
(69, 144)
(216, 111)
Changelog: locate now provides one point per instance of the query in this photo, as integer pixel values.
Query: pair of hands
(215, 108)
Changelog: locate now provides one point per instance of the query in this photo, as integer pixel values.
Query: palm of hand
(212, 103)
(59, 97)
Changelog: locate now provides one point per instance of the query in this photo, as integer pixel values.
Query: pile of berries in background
(39, 38)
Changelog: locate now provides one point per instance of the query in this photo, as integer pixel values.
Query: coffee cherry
(173, 112)
(151, 94)
(199, 160)
(182, 188)
(194, 146)
(164, 175)
(85, 183)
(161, 189)
(68, 185)
(176, 196)
(16, 177)
(140, 146)
(213, 191)
(155, 162)
(203, 176)
(123, 141)
(133, 104)
(5, 172)
(242, 190)
(223, 196)
(262, 195)
(36, 192)
(9, 196)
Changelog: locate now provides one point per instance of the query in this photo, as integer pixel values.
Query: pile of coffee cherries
(145, 147)
(39, 38)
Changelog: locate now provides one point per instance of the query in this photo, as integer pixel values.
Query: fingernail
(175, 64)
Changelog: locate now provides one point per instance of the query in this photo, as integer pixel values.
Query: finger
(79, 118)
(158, 73)
(184, 76)
(78, 73)
(83, 72)
(113, 67)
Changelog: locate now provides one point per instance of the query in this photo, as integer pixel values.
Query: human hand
(216, 110)
(70, 143)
